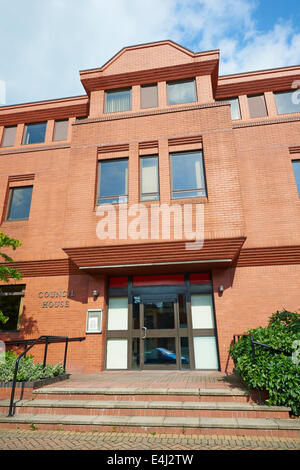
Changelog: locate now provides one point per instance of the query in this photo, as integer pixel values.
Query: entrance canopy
(156, 257)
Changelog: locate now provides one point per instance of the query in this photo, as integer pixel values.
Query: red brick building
(157, 130)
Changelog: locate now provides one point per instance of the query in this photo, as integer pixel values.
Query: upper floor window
(9, 136)
(61, 129)
(149, 178)
(187, 171)
(19, 203)
(34, 133)
(112, 181)
(149, 97)
(234, 107)
(182, 92)
(296, 168)
(287, 101)
(117, 100)
(257, 106)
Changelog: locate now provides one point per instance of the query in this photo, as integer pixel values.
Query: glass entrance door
(160, 341)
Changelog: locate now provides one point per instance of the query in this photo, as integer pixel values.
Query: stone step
(146, 408)
(157, 424)
(147, 394)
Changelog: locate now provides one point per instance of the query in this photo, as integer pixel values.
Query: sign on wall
(56, 299)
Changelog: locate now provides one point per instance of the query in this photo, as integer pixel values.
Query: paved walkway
(151, 379)
(66, 440)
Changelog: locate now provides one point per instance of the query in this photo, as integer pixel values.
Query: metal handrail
(41, 340)
(266, 346)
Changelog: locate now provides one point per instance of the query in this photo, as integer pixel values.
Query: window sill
(14, 220)
(10, 332)
(34, 148)
(191, 200)
(184, 102)
(116, 112)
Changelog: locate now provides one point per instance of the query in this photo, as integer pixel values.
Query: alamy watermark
(296, 94)
(2, 352)
(296, 353)
(155, 222)
(2, 92)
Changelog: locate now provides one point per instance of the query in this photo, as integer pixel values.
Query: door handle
(144, 328)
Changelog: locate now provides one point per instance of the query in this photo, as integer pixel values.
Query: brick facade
(251, 211)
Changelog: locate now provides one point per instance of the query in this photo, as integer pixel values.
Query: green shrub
(278, 373)
(28, 370)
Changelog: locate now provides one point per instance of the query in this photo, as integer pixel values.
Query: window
(61, 130)
(11, 305)
(149, 178)
(257, 106)
(187, 175)
(19, 203)
(149, 98)
(234, 107)
(9, 135)
(112, 181)
(296, 168)
(287, 101)
(34, 133)
(181, 92)
(117, 100)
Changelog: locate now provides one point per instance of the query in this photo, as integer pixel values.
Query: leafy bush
(278, 373)
(27, 371)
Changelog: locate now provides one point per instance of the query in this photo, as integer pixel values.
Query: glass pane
(149, 175)
(235, 108)
(93, 323)
(187, 171)
(296, 168)
(9, 135)
(159, 351)
(10, 306)
(149, 97)
(61, 130)
(257, 106)
(116, 354)
(113, 179)
(159, 315)
(35, 133)
(185, 353)
(136, 313)
(182, 312)
(116, 101)
(20, 203)
(287, 101)
(118, 313)
(202, 311)
(205, 349)
(181, 92)
(135, 353)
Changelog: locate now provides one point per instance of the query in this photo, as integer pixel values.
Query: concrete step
(147, 394)
(146, 408)
(157, 424)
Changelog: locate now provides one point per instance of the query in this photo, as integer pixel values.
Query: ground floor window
(11, 306)
(161, 322)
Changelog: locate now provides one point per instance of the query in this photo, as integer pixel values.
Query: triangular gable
(147, 56)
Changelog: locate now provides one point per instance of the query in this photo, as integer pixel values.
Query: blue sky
(44, 44)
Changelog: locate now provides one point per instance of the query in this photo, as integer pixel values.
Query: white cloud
(44, 44)
(276, 48)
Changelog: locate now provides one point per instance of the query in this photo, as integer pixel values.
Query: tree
(6, 272)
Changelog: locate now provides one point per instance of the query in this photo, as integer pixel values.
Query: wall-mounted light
(95, 294)
(221, 289)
